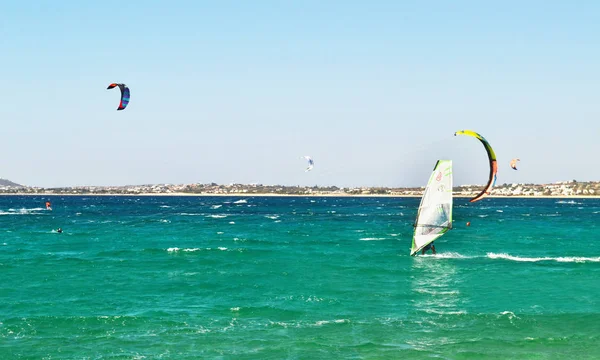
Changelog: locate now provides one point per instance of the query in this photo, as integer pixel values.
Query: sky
(239, 91)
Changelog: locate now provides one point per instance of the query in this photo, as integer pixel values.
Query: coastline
(305, 195)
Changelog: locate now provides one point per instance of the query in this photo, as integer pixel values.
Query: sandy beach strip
(304, 195)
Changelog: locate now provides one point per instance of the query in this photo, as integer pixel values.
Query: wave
(448, 255)
(571, 202)
(337, 321)
(511, 315)
(301, 324)
(176, 249)
(240, 202)
(217, 216)
(570, 259)
(215, 206)
(441, 312)
(372, 239)
(434, 292)
(32, 211)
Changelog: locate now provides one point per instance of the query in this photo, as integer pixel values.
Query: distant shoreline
(310, 195)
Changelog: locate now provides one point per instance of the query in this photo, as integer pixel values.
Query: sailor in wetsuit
(428, 247)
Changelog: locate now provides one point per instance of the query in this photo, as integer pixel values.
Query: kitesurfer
(59, 230)
(429, 246)
(48, 206)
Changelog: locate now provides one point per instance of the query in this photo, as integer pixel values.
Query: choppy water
(296, 278)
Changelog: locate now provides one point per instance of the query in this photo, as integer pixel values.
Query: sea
(190, 277)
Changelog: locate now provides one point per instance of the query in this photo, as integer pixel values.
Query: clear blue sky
(238, 91)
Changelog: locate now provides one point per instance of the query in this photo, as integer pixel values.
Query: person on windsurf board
(429, 246)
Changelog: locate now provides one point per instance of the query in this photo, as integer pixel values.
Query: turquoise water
(296, 278)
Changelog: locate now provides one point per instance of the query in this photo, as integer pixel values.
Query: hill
(8, 183)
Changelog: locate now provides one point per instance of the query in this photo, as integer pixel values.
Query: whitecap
(575, 259)
(336, 321)
(447, 255)
(371, 239)
(434, 292)
(511, 315)
(176, 249)
(439, 312)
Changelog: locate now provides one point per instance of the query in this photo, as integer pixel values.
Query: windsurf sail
(434, 217)
(492, 159)
(125, 94)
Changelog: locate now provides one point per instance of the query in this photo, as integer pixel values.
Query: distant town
(558, 189)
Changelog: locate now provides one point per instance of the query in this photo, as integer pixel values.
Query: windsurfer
(429, 246)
